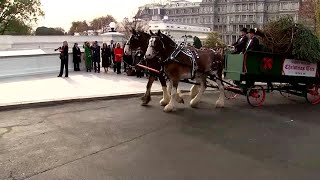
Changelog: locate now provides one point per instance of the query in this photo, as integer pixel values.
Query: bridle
(133, 36)
(137, 52)
(162, 43)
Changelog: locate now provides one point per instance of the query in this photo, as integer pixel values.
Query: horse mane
(167, 40)
(142, 32)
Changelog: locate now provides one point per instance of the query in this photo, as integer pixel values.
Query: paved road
(48, 87)
(120, 139)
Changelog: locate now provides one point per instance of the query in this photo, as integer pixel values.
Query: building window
(251, 18)
(284, 6)
(237, 7)
(294, 6)
(244, 7)
(251, 7)
(244, 18)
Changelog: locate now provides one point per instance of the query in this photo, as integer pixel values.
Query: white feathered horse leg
(202, 81)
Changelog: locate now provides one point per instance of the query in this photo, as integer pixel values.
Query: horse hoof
(169, 108)
(144, 104)
(194, 104)
(145, 100)
(219, 104)
(180, 100)
(163, 102)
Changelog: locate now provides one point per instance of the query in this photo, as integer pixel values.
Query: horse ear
(152, 34)
(159, 34)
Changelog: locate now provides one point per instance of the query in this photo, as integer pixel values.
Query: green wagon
(288, 76)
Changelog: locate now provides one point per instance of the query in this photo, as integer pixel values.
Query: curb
(75, 100)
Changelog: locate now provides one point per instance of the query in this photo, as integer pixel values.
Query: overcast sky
(60, 13)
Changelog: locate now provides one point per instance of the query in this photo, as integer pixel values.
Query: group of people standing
(108, 54)
(244, 43)
(93, 55)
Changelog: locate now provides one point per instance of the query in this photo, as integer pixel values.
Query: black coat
(240, 45)
(96, 54)
(76, 55)
(64, 56)
(106, 57)
(254, 45)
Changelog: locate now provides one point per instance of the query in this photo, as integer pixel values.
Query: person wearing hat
(241, 43)
(253, 43)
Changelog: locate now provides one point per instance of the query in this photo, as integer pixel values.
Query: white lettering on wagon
(293, 67)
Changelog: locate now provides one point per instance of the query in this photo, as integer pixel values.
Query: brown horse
(182, 66)
(138, 43)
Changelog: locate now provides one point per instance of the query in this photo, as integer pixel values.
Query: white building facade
(227, 17)
(178, 31)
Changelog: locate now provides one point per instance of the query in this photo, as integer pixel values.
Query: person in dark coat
(253, 43)
(96, 57)
(106, 56)
(241, 43)
(76, 57)
(64, 56)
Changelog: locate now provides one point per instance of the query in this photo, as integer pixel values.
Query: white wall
(49, 43)
(32, 64)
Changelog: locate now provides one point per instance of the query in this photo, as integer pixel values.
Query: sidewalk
(79, 85)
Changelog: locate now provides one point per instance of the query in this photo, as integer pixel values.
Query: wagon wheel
(285, 92)
(313, 94)
(230, 94)
(256, 95)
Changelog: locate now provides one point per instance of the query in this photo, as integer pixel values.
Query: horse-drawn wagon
(250, 71)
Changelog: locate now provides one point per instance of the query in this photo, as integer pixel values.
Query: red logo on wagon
(267, 63)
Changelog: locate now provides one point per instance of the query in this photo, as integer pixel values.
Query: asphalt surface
(119, 139)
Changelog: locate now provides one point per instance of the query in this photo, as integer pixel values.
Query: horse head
(138, 40)
(159, 44)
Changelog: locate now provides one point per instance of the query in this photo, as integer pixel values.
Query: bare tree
(102, 22)
(309, 13)
(126, 26)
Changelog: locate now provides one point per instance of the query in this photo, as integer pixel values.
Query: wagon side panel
(234, 66)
